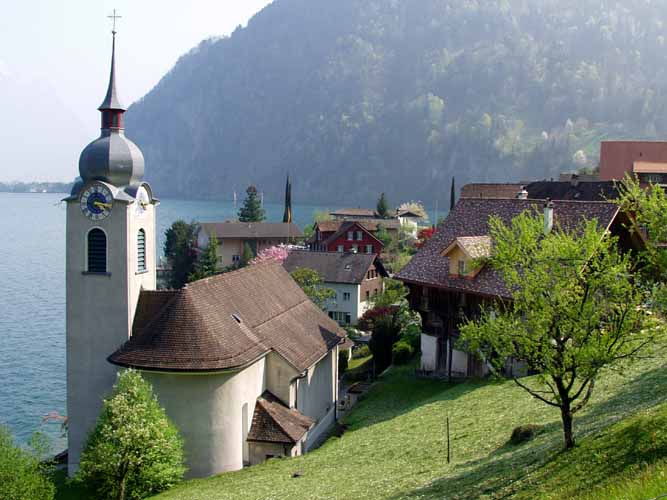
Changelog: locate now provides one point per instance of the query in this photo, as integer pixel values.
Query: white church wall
(278, 376)
(208, 411)
(99, 312)
(316, 391)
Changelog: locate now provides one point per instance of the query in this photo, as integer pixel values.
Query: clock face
(96, 202)
(143, 200)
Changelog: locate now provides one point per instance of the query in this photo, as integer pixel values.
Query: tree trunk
(122, 486)
(566, 415)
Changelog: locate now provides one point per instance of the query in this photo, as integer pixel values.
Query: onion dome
(112, 158)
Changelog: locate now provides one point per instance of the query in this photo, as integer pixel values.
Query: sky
(54, 69)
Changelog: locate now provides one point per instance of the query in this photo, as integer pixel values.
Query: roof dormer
(464, 253)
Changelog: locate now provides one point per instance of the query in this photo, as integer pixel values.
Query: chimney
(523, 194)
(548, 216)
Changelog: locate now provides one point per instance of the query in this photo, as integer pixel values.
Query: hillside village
(510, 348)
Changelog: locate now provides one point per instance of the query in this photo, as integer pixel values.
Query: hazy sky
(54, 65)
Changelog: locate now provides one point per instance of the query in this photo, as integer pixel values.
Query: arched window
(141, 250)
(97, 251)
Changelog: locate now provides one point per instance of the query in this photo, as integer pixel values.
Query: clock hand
(103, 205)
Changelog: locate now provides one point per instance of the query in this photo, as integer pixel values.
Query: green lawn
(356, 363)
(394, 447)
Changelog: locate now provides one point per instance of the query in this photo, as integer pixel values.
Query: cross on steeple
(113, 17)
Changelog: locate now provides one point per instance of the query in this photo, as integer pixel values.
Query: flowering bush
(271, 254)
(424, 235)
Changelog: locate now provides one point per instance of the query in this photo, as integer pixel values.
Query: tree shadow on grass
(514, 469)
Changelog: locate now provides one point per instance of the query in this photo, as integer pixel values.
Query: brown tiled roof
(333, 267)
(470, 218)
(368, 224)
(540, 190)
(480, 190)
(251, 230)
(355, 212)
(274, 422)
(227, 322)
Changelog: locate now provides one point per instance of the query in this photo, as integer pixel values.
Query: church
(244, 363)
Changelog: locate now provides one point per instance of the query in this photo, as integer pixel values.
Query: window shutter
(141, 250)
(97, 251)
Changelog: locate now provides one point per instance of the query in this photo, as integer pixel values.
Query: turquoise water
(32, 303)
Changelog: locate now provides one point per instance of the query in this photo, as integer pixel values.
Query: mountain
(355, 97)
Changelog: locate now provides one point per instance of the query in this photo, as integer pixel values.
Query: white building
(355, 279)
(243, 363)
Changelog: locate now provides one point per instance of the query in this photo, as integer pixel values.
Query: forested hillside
(354, 97)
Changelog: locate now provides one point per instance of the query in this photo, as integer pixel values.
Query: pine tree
(252, 210)
(452, 196)
(248, 255)
(287, 216)
(179, 248)
(207, 263)
(382, 206)
(135, 451)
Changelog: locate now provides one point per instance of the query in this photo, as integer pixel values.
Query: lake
(32, 305)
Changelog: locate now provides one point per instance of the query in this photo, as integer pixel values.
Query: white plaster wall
(207, 409)
(316, 392)
(459, 362)
(429, 356)
(278, 376)
(100, 310)
(346, 306)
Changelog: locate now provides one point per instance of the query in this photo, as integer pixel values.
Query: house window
(97, 251)
(369, 248)
(462, 267)
(141, 251)
(368, 295)
(348, 318)
(350, 236)
(360, 236)
(341, 248)
(346, 296)
(236, 259)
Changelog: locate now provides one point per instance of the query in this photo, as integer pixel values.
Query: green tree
(180, 250)
(311, 283)
(134, 451)
(252, 210)
(383, 235)
(207, 262)
(575, 311)
(318, 216)
(248, 254)
(23, 475)
(385, 334)
(383, 207)
(394, 292)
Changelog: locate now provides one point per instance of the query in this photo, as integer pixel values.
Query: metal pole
(448, 444)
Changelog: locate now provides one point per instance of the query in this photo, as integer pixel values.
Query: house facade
(645, 159)
(348, 237)
(232, 236)
(243, 363)
(447, 286)
(355, 279)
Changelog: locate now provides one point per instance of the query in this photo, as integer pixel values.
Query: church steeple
(112, 158)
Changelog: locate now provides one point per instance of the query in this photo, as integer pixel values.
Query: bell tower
(110, 257)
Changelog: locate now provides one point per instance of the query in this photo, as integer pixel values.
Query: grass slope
(395, 446)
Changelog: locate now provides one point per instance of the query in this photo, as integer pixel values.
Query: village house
(573, 189)
(244, 364)
(355, 279)
(645, 159)
(354, 214)
(232, 236)
(447, 286)
(344, 237)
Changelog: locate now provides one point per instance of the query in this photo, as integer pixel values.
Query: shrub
(411, 335)
(361, 352)
(524, 433)
(342, 363)
(134, 451)
(401, 352)
(385, 335)
(22, 475)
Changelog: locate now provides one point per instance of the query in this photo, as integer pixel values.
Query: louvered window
(97, 251)
(141, 250)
